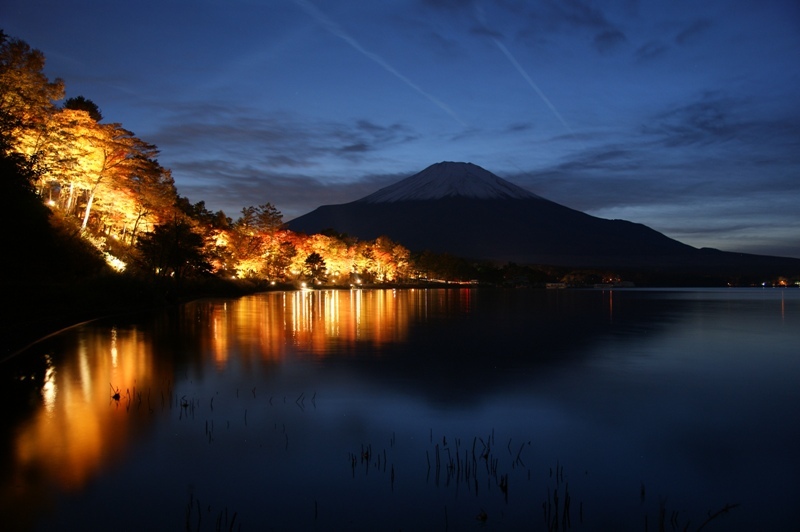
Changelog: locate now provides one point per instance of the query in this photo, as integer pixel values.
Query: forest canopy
(101, 182)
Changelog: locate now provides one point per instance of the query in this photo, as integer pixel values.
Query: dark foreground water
(413, 410)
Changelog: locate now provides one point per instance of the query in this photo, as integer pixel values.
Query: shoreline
(48, 309)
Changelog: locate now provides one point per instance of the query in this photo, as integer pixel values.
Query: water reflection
(321, 323)
(79, 429)
(272, 393)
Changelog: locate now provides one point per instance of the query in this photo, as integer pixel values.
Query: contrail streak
(338, 31)
(482, 19)
(533, 85)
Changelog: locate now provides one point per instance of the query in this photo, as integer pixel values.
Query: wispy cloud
(229, 156)
(700, 201)
(695, 29)
(230, 186)
(718, 118)
(608, 40)
(656, 48)
(567, 15)
(650, 51)
(274, 140)
(703, 121)
(449, 4)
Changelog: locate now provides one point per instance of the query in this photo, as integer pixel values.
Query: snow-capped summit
(449, 179)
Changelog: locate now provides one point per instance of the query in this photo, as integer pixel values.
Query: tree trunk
(88, 210)
(136, 227)
(70, 199)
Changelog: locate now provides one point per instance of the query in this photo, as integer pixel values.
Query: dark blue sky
(684, 116)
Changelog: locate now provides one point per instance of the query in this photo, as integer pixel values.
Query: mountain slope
(462, 209)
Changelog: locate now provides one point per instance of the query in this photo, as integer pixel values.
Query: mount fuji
(464, 210)
(445, 180)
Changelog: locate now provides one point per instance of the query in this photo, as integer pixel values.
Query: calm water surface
(413, 410)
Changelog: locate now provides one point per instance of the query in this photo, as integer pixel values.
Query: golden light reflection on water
(268, 325)
(80, 428)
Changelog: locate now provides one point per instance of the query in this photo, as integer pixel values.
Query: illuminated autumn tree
(364, 262)
(300, 244)
(27, 96)
(116, 155)
(338, 255)
(391, 260)
(253, 240)
(215, 229)
(245, 242)
(151, 193)
(87, 160)
(334, 252)
(278, 258)
(65, 159)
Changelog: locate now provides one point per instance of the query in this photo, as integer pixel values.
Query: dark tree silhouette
(173, 251)
(265, 218)
(315, 266)
(79, 103)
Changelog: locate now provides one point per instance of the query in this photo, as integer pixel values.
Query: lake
(438, 409)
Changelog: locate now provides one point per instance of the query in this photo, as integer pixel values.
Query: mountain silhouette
(465, 210)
